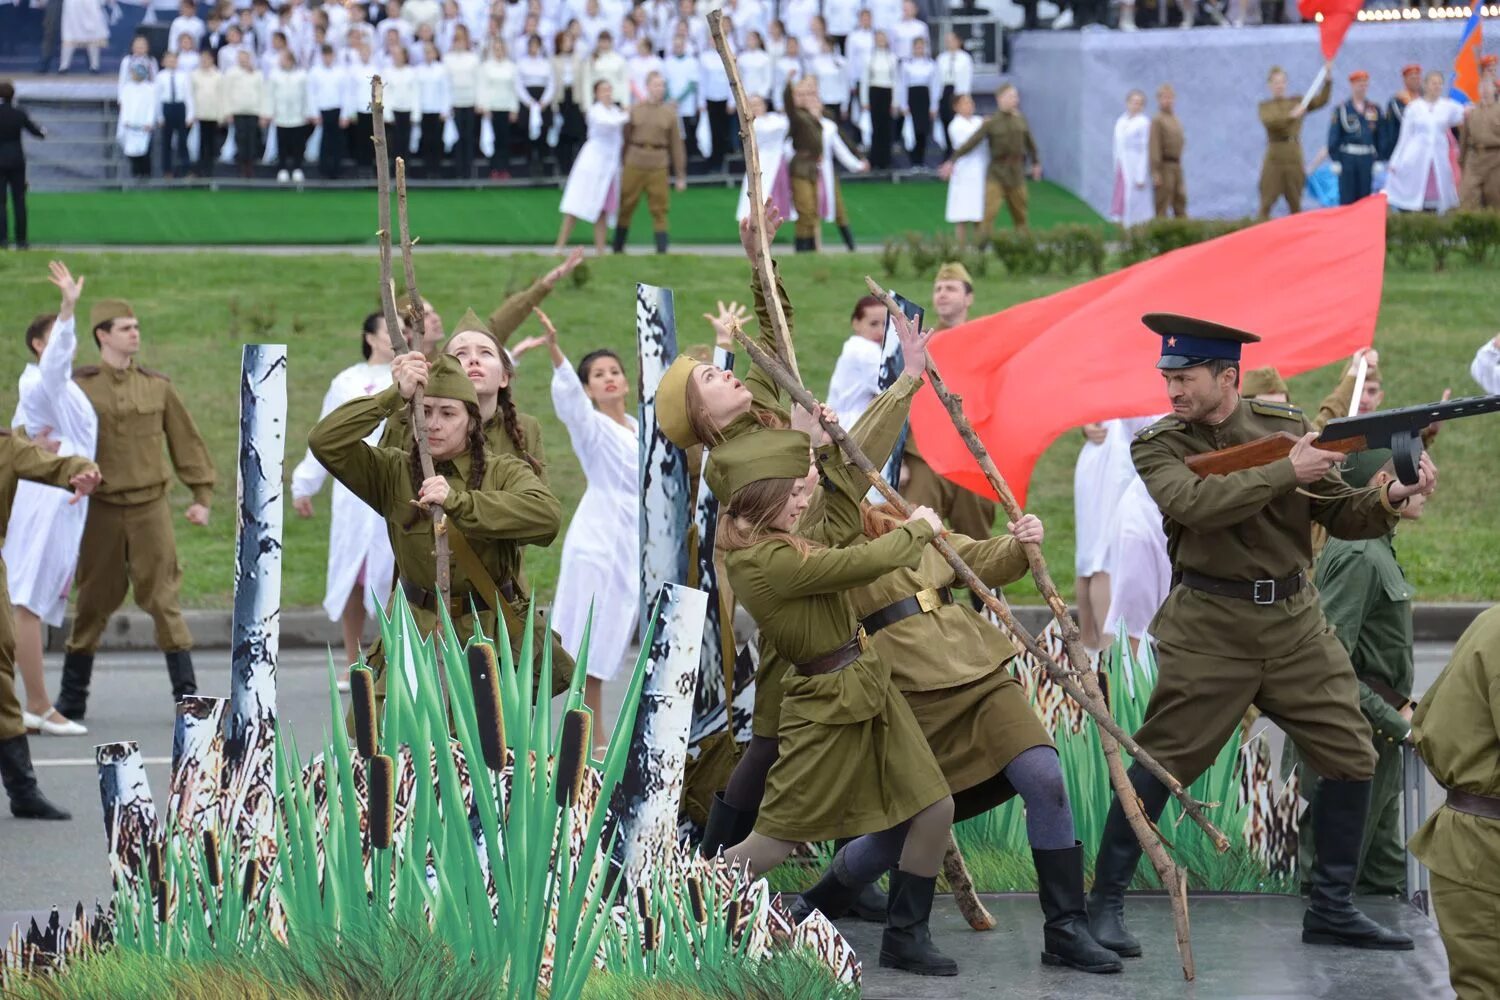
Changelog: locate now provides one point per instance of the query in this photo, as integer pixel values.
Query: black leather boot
(806, 244)
(26, 799)
(871, 904)
(620, 235)
(1066, 939)
(1115, 866)
(907, 942)
(180, 669)
(661, 242)
(848, 235)
(1339, 812)
(73, 693)
(833, 895)
(726, 826)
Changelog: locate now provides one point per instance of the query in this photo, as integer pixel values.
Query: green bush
(1017, 250)
(1078, 246)
(1478, 233)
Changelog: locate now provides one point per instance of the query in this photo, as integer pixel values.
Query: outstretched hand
(726, 321)
(71, 288)
(914, 341)
(1427, 476)
(748, 239)
(562, 270)
(85, 483)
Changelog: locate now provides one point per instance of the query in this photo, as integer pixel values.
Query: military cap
(954, 271)
(446, 380)
(471, 323)
(1187, 342)
(1411, 68)
(1358, 76)
(1261, 381)
(749, 458)
(1359, 468)
(1488, 61)
(106, 310)
(672, 403)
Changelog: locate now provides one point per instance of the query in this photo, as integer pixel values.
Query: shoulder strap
(469, 562)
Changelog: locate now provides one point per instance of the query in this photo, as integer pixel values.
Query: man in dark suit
(13, 162)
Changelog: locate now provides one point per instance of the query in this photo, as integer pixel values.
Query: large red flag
(1338, 15)
(1308, 284)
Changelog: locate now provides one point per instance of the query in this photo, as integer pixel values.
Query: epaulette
(1161, 426)
(85, 371)
(1285, 410)
(152, 373)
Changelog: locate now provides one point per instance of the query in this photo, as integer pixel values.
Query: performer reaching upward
(771, 129)
(592, 192)
(1281, 172)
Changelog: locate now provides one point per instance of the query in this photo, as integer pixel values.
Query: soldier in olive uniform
(806, 132)
(1456, 730)
(1281, 173)
(127, 538)
(1242, 626)
(1167, 142)
(1479, 150)
(20, 459)
(653, 142)
(1011, 146)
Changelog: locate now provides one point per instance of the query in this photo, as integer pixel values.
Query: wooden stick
(962, 884)
(755, 194)
(966, 576)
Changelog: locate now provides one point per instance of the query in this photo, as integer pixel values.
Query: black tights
(747, 783)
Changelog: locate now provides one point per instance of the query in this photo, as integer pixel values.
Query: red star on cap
(1171, 341)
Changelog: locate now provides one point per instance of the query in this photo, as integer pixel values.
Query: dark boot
(73, 693)
(1066, 939)
(1339, 811)
(907, 942)
(661, 242)
(726, 826)
(180, 669)
(833, 895)
(871, 904)
(848, 235)
(806, 244)
(26, 799)
(1115, 866)
(620, 234)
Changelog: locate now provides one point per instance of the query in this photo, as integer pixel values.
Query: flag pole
(1317, 85)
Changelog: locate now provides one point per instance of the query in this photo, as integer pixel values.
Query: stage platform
(1073, 86)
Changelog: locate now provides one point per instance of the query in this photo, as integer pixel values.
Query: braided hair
(506, 408)
(477, 462)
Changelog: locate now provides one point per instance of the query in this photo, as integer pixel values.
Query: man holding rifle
(1242, 626)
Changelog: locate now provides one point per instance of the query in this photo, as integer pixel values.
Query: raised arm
(831, 571)
(510, 314)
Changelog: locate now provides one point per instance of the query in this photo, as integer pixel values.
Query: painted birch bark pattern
(891, 364)
(665, 515)
(197, 763)
(129, 811)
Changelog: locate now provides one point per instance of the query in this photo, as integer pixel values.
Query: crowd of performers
(884, 710)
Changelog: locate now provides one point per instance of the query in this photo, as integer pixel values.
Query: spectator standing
(14, 121)
(175, 115)
(788, 69)
(841, 17)
(400, 102)
(137, 120)
(756, 70)
(607, 64)
(499, 105)
(1421, 173)
(1479, 148)
(681, 73)
(567, 98)
(776, 39)
(857, 48)
(797, 16)
(51, 31)
(1131, 203)
(715, 82)
(362, 137)
(208, 105)
(330, 95)
(907, 30)
(1395, 110)
(1167, 143)
(534, 74)
(292, 115)
(877, 94)
(461, 63)
(188, 56)
(966, 182)
(918, 98)
(83, 24)
(187, 22)
(955, 76)
(246, 105)
(435, 105)
(828, 68)
(640, 66)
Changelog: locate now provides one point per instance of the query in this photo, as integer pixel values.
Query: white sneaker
(282, 177)
(298, 177)
(67, 727)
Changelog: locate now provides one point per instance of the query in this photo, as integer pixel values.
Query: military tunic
(1011, 145)
(1281, 173)
(806, 134)
(127, 538)
(1217, 655)
(1167, 142)
(20, 459)
(653, 143)
(1353, 133)
(397, 435)
(1479, 159)
(1456, 730)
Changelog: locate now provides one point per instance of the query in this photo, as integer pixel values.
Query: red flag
(1308, 284)
(1337, 16)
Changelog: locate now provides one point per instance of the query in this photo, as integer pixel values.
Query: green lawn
(527, 216)
(197, 309)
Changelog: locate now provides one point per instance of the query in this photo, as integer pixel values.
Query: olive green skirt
(765, 722)
(853, 759)
(976, 729)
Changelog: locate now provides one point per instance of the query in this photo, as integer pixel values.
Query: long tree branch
(755, 193)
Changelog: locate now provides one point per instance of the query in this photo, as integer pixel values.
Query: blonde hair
(757, 505)
(1272, 74)
(878, 519)
(702, 425)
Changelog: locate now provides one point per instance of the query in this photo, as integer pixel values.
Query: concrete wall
(1073, 87)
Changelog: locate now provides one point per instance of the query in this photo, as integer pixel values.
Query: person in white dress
(592, 193)
(830, 197)
(83, 24)
(1101, 475)
(1486, 366)
(1420, 173)
(41, 541)
(361, 565)
(856, 374)
(137, 121)
(771, 128)
(1132, 202)
(1138, 564)
(598, 574)
(966, 182)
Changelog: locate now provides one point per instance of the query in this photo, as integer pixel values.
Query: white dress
(771, 131)
(41, 542)
(1132, 202)
(594, 182)
(966, 184)
(137, 117)
(1421, 155)
(1100, 477)
(600, 552)
(1486, 367)
(359, 548)
(1140, 573)
(83, 23)
(856, 379)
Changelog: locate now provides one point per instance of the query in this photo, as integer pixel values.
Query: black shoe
(848, 235)
(620, 235)
(180, 670)
(726, 826)
(661, 242)
(1339, 811)
(1066, 939)
(26, 799)
(907, 942)
(1114, 867)
(806, 244)
(871, 906)
(73, 693)
(833, 895)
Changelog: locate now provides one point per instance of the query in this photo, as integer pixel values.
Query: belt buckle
(862, 638)
(1270, 597)
(928, 601)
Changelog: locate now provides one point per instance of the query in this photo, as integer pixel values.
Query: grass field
(197, 309)
(526, 216)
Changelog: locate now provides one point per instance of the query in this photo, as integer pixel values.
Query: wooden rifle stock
(1262, 451)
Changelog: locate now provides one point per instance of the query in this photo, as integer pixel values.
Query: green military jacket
(21, 459)
(1283, 132)
(1254, 524)
(397, 435)
(1367, 600)
(1456, 730)
(141, 419)
(1011, 145)
(806, 131)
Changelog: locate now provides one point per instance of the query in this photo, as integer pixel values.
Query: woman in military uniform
(1281, 172)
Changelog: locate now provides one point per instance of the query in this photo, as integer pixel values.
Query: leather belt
(1485, 806)
(917, 604)
(837, 659)
(1387, 694)
(1358, 150)
(459, 604)
(1259, 591)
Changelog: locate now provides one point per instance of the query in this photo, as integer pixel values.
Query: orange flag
(1308, 284)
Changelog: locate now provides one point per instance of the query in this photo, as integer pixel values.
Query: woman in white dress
(598, 568)
(966, 182)
(133, 130)
(1132, 202)
(41, 543)
(1420, 174)
(771, 128)
(592, 193)
(83, 24)
(361, 565)
(1137, 559)
(1101, 475)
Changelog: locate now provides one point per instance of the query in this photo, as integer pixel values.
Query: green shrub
(1478, 233)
